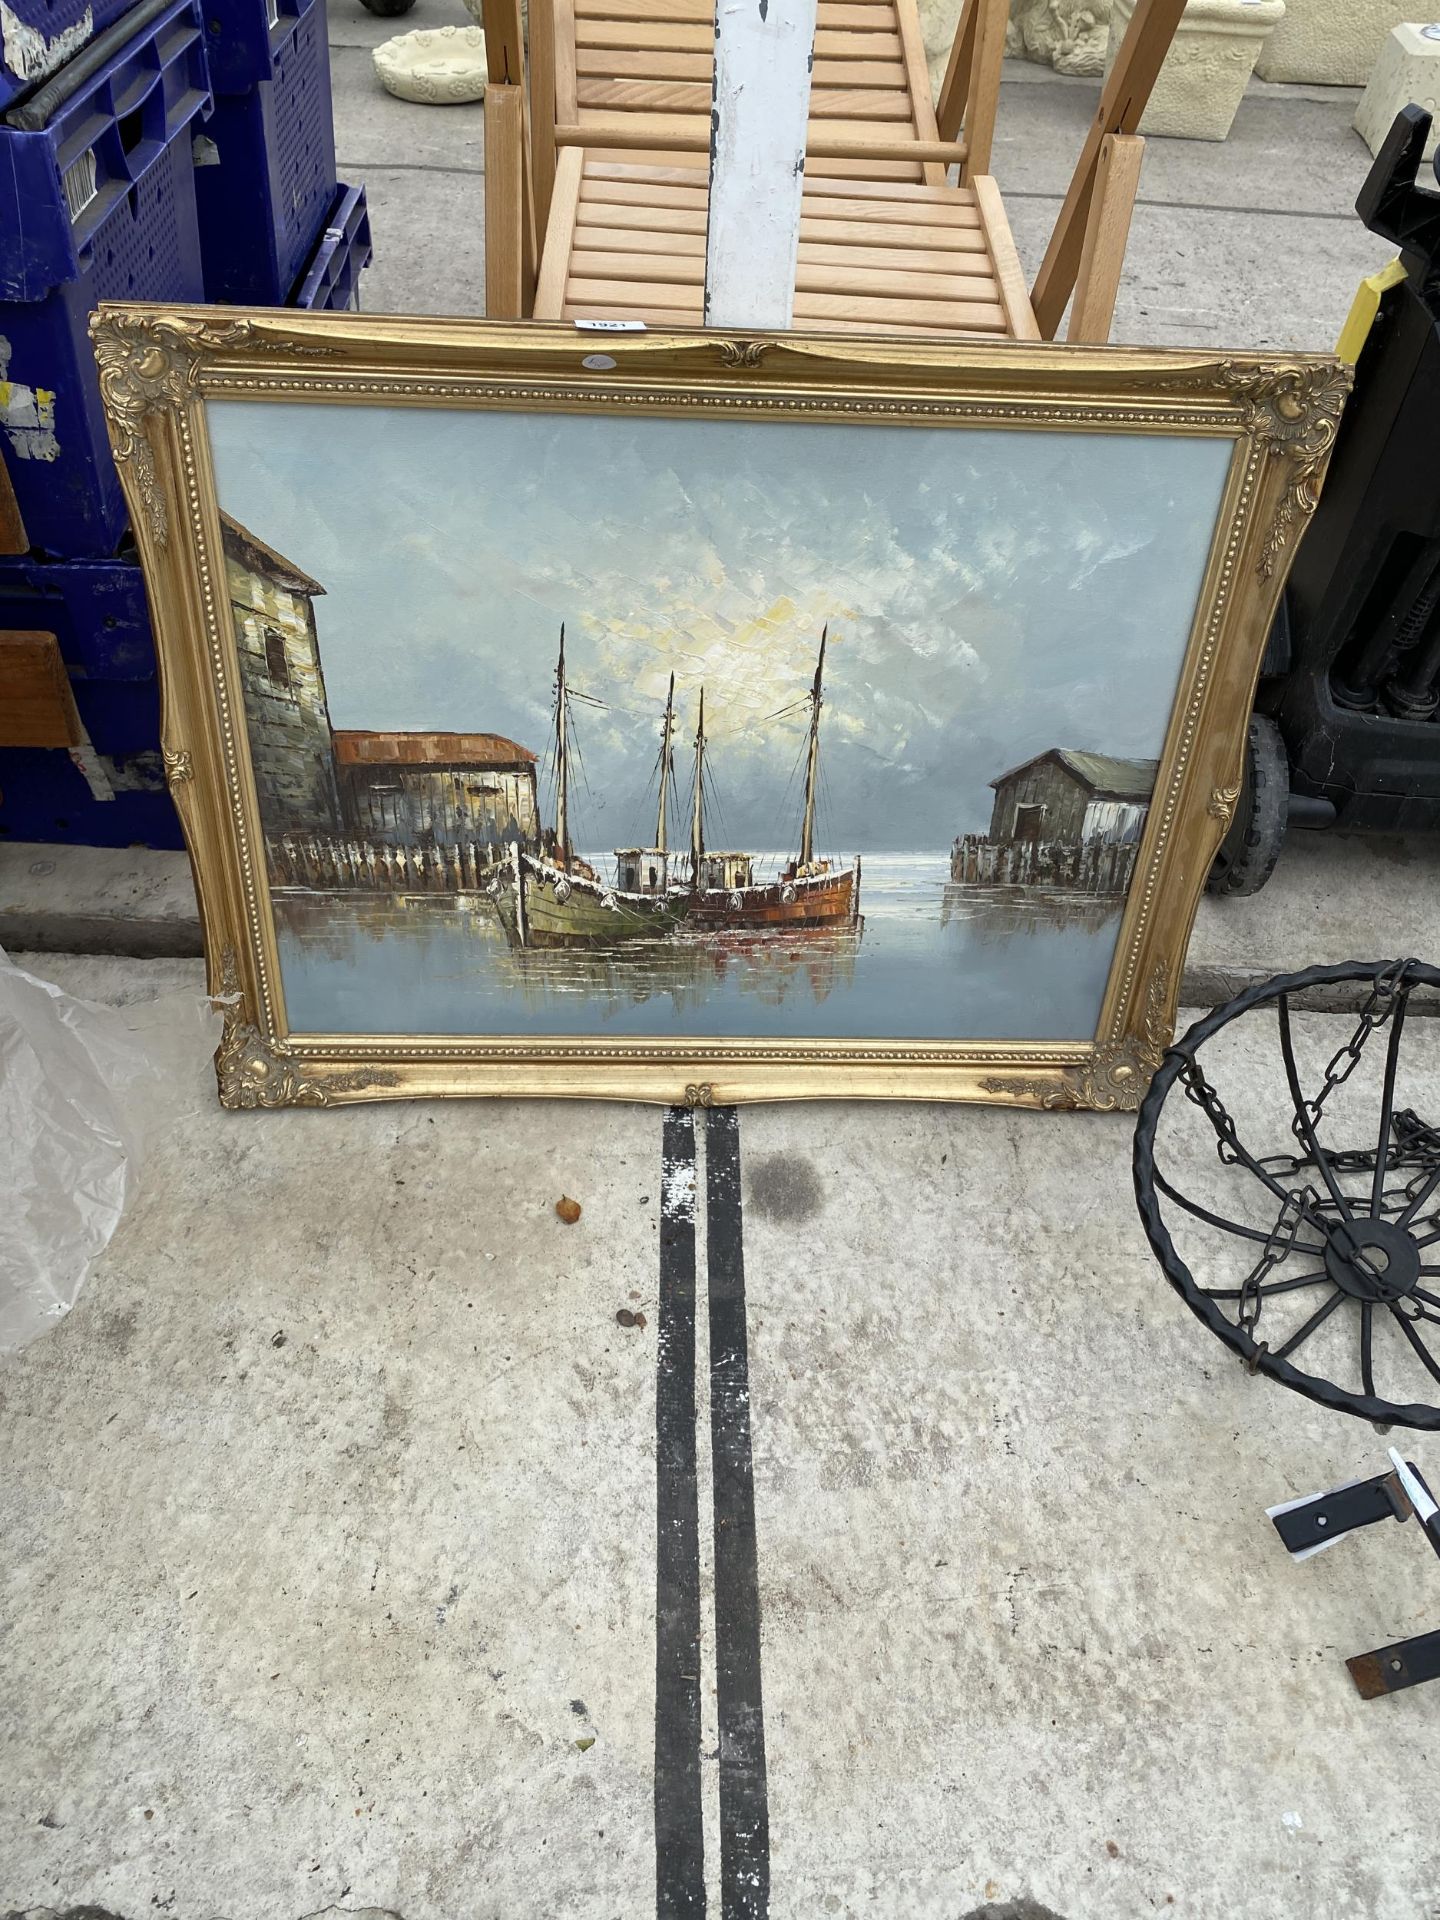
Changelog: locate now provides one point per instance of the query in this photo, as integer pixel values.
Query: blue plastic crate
(41, 35)
(247, 39)
(96, 609)
(44, 796)
(98, 612)
(63, 182)
(97, 204)
(331, 282)
(265, 174)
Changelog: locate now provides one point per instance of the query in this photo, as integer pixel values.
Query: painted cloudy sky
(988, 595)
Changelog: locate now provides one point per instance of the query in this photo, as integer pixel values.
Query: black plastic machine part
(1351, 682)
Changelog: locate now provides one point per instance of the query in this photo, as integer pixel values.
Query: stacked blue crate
(97, 202)
(41, 35)
(266, 175)
(331, 280)
(97, 611)
(121, 178)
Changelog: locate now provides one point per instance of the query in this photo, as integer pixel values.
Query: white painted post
(759, 110)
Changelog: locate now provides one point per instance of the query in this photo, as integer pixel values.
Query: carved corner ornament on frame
(255, 1072)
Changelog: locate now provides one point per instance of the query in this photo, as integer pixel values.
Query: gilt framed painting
(672, 717)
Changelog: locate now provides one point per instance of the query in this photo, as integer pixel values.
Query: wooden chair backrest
(637, 75)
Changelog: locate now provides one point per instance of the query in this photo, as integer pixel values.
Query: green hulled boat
(556, 899)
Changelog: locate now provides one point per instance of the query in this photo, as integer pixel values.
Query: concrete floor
(330, 1523)
(329, 1580)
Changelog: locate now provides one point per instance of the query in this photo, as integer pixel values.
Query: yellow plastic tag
(1363, 309)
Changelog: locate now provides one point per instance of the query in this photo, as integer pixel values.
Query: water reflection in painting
(931, 953)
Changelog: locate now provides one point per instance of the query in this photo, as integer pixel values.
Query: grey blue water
(931, 961)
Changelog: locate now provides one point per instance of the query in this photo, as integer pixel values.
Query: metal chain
(1279, 1245)
(1378, 1007)
(1199, 1090)
(1416, 1145)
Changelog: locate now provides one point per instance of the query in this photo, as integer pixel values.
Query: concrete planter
(436, 66)
(1408, 70)
(1332, 42)
(1212, 57)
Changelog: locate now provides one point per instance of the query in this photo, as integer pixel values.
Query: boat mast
(665, 766)
(812, 765)
(562, 762)
(697, 819)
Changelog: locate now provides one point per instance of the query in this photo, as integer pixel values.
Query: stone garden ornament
(435, 66)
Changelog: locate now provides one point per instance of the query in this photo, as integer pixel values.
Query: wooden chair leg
(504, 42)
(1107, 229)
(509, 176)
(529, 243)
(1122, 101)
(505, 215)
(542, 107)
(559, 235)
(991, 19)
(955, 87)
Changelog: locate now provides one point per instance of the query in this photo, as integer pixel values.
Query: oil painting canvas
(701, 719)
(632, 726)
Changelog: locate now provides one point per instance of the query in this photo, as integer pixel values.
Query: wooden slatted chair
(627, 241)
(886, 243)
(610, 222)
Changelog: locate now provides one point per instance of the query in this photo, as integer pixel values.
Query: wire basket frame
(1322, 1258)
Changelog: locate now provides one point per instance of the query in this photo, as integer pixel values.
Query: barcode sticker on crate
(80, 184)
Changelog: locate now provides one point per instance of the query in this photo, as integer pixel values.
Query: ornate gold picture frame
(1009, 601)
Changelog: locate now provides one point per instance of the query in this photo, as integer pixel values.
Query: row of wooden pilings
(1092, 866)
(316, 860)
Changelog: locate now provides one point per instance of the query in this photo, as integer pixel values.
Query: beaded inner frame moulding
(672, 717)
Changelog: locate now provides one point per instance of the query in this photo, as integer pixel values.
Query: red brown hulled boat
(810, 891)
(826, 896)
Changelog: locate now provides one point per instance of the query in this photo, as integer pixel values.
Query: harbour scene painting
(582, 724)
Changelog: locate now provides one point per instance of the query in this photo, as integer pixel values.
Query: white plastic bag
(82, 1086)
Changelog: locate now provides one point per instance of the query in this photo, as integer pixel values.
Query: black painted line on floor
(679, 1826)
(744, 1797)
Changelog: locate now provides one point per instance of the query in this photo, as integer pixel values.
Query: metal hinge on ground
(1309, 1525)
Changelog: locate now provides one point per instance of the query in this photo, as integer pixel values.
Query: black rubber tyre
(387, 8)
(1250, 849)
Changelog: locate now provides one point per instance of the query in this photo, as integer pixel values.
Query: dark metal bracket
(1305, 1526)
(1393, 204)
(1328, 1516)
(1405, 1663)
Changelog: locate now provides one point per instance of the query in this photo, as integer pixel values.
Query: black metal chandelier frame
(1366, 1215)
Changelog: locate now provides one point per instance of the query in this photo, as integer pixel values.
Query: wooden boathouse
(1066, 820)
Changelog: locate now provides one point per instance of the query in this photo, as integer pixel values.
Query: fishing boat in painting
(810, 891)
(553, 898)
